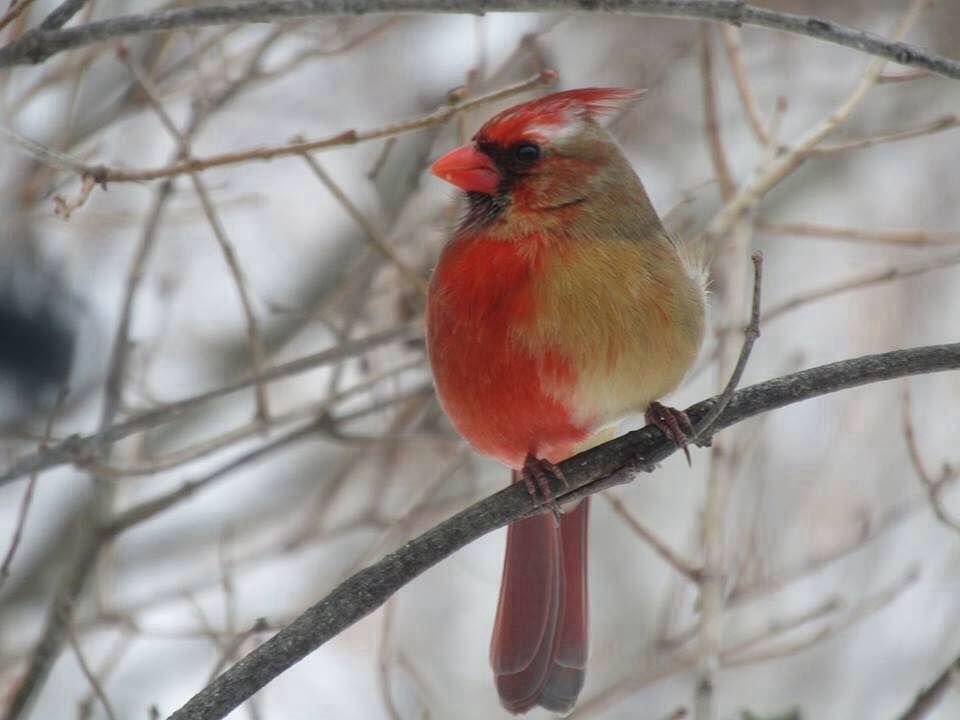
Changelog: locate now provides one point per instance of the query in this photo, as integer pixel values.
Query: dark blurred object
(39, 320)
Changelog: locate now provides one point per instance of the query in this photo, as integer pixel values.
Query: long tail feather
(570, 655)
(539, 647)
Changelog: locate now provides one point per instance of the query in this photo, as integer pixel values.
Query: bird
(559, 305)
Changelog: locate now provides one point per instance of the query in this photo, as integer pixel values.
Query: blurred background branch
(201, 435)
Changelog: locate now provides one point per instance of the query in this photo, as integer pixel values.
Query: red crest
(556, 110)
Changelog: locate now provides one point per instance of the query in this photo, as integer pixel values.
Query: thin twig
(900, 77)
(374, 236)
(777, 628)
(678, 563)
(947, 122)
(382, 158)
(113, 397)
(28, 493)
(750, 335)
(89, 675)
(254, 342)
(80, 448)
(933, 486)
(14, 11)
(107, 666)
(149, 508)
(721, 169)
(384, 660)
(746, 592)
(863, 610)
(211, 445)
(235, 641)
(900, 236)
(729, 272)
(63, 208)
(731, 41)
(642, 675)
(859, 282)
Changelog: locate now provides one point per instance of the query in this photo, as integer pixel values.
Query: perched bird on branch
(560, 305)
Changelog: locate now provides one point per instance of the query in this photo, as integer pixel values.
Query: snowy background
(828, 522)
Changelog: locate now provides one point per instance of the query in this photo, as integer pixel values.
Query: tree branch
(368, 589)
(79, 449)
(38, 44)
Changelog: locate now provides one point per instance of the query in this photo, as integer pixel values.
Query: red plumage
(560, 304)
(481, 294)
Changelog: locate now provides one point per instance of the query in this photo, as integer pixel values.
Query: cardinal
(559, 305)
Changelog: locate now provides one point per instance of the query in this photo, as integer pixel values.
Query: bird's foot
(673, 423)
(536, 476)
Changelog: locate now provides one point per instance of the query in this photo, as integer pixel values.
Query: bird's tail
(539, 648)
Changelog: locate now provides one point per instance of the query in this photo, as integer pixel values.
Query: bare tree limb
(61, 14)
(37, 45)
(368, 589)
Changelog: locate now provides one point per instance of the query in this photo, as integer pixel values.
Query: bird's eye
(526, 153)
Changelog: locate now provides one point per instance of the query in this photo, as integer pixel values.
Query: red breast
(493, 388)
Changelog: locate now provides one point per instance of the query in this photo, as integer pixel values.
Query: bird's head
(540, 156)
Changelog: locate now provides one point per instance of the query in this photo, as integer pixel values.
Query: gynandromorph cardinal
(559, 305)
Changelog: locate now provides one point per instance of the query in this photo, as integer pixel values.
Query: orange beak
(468, 169)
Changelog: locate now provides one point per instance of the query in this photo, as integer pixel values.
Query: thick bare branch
(37, 45)
(368, 589)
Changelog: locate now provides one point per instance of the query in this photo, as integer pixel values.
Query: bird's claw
(536, 476)
(673, 423)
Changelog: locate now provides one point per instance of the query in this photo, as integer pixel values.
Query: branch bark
(589, 471)
(36, 45)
